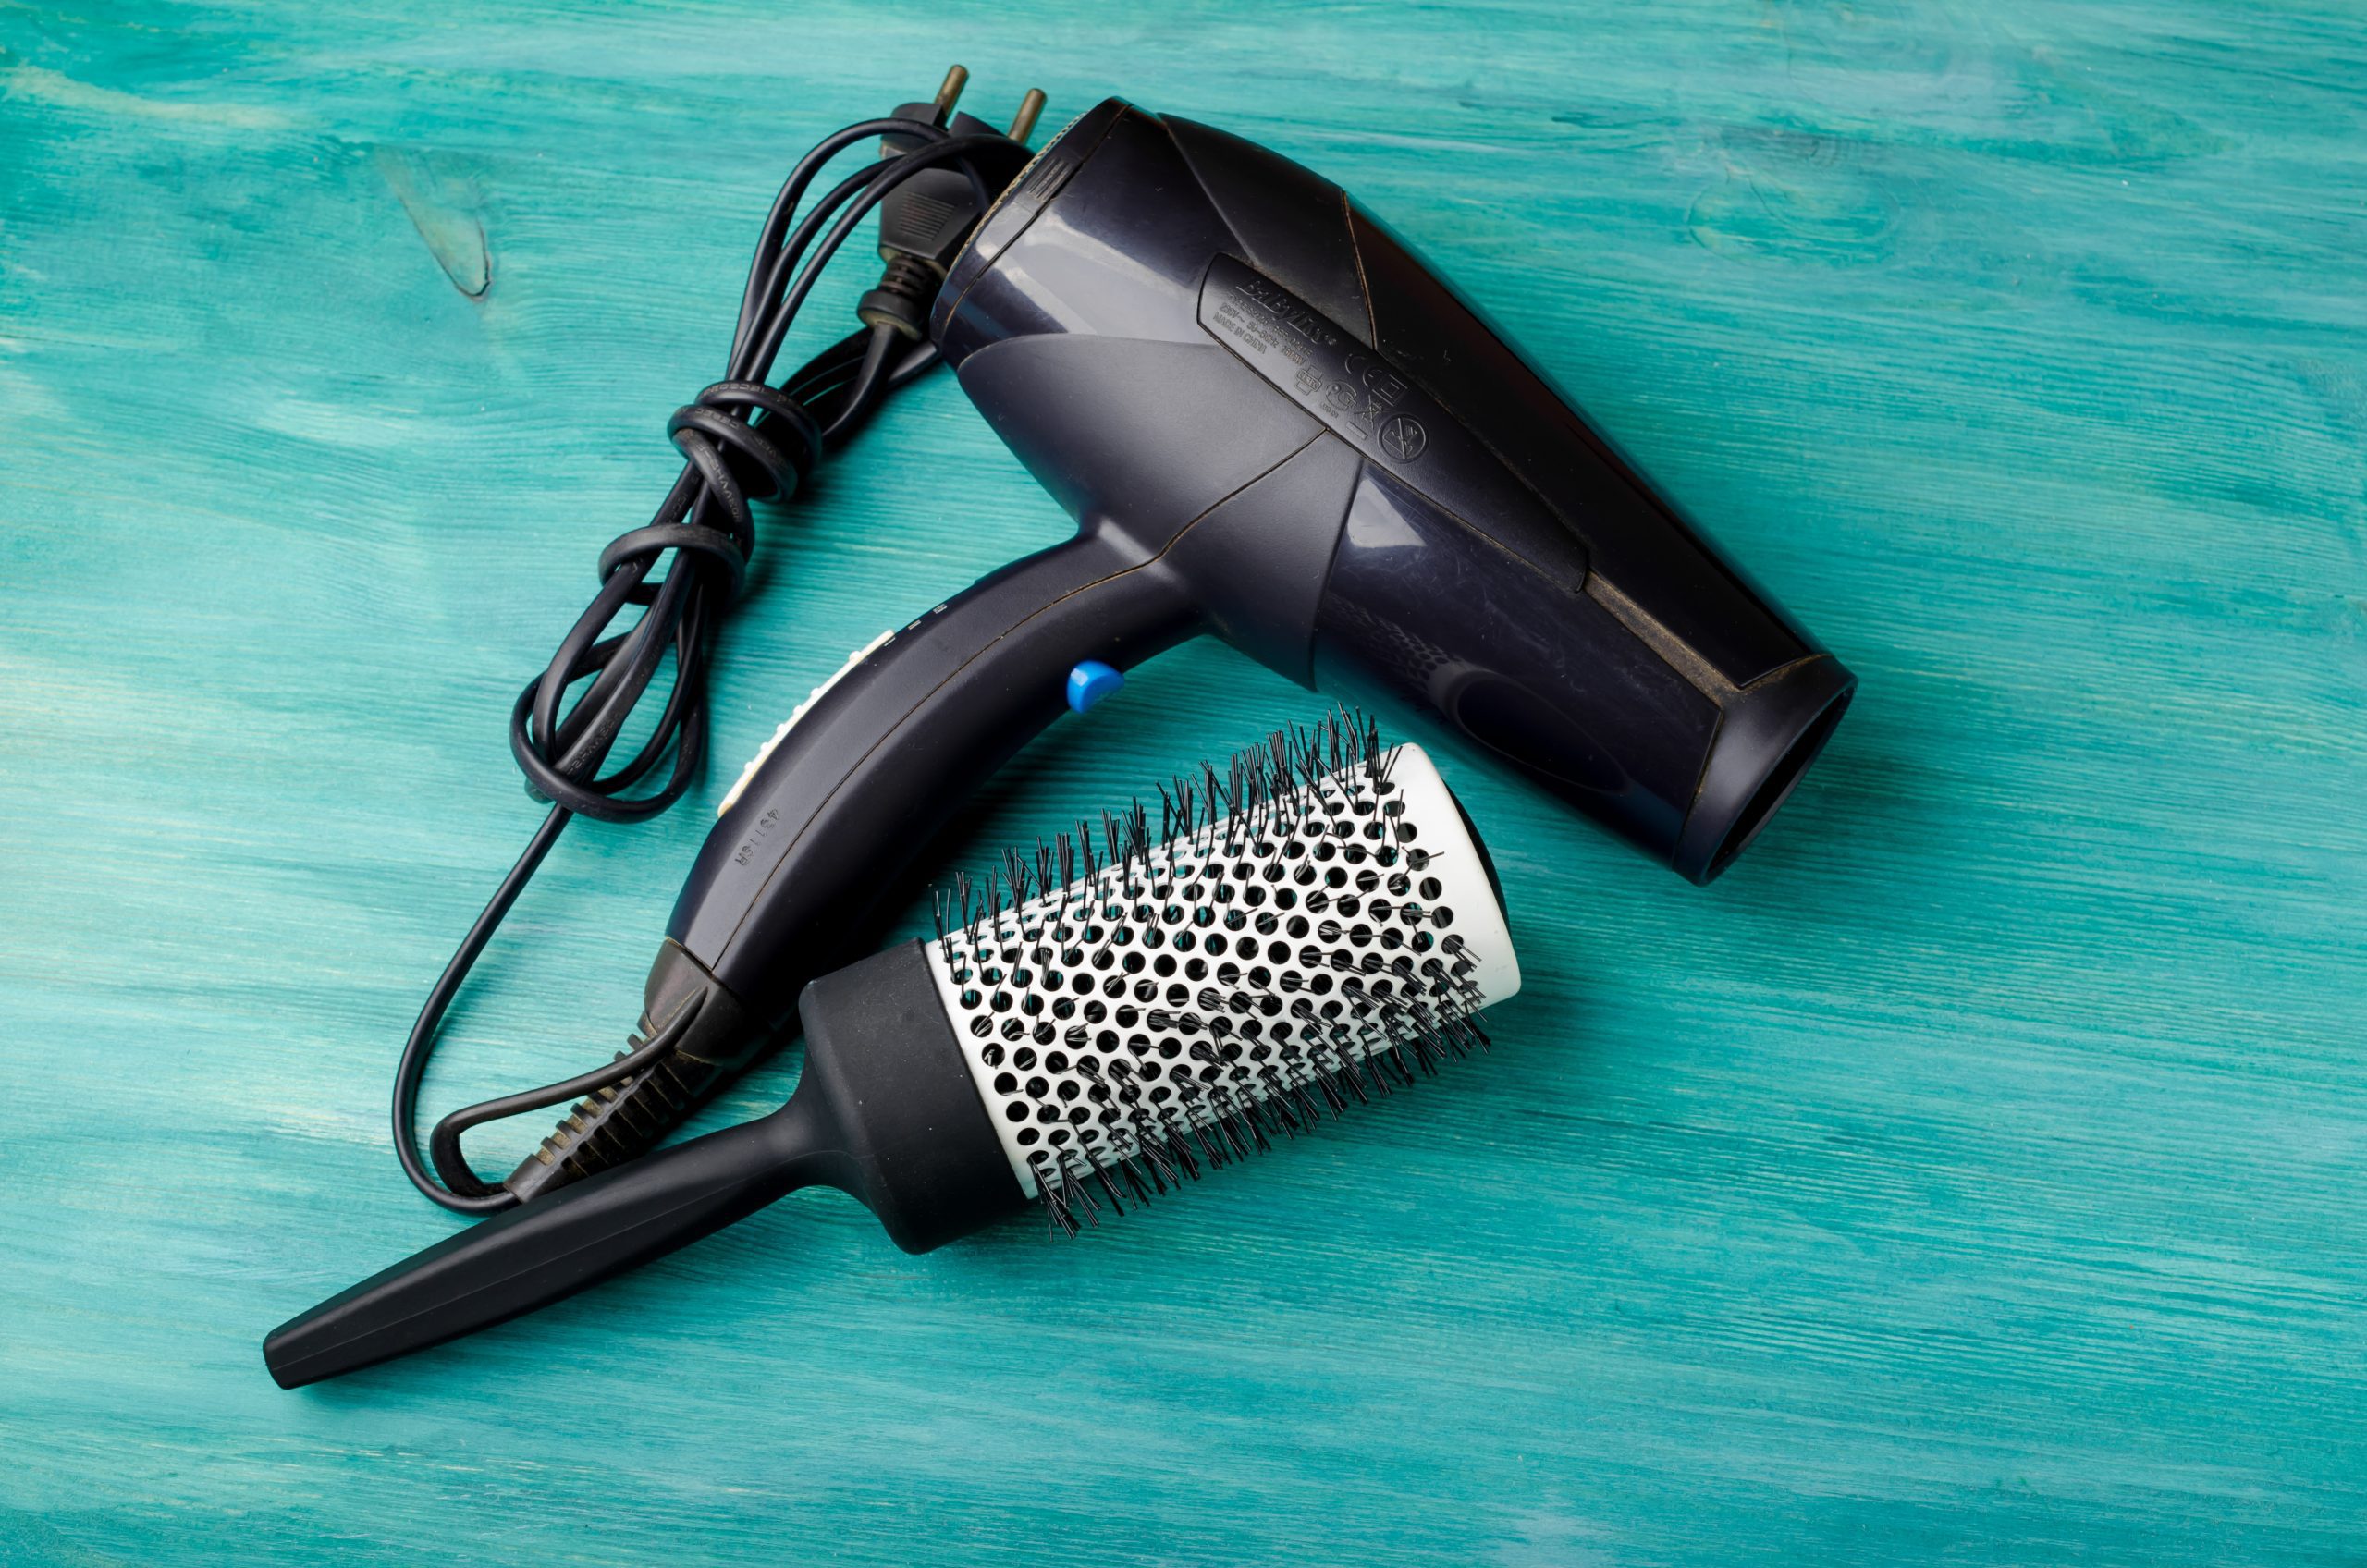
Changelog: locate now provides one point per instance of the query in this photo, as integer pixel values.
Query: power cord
(743, 441)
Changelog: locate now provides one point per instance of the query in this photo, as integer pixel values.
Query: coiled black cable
(743, 441)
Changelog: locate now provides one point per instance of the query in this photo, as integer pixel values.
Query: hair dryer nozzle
(1767, 736)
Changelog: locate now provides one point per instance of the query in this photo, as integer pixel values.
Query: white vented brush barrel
(1243, 960)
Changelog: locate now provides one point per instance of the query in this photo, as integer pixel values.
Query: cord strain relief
(615, 1124)
(907, 287)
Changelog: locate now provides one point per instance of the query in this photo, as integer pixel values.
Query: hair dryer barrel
(1214, 355)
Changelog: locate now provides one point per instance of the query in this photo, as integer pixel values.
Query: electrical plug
(925, 221)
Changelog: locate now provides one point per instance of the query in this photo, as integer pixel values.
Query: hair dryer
(1273, 425)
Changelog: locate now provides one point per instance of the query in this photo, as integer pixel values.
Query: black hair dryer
(1274, 424)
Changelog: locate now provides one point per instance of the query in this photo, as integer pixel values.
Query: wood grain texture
(1973, 1175)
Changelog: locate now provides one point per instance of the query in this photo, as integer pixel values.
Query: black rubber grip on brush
(532, 1257)
(886, 1111)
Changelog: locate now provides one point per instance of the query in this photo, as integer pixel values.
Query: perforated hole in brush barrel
(1262, 962)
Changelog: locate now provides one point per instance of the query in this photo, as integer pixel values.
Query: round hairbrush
(1098, 1022)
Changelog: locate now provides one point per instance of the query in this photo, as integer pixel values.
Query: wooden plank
(1974, 1174)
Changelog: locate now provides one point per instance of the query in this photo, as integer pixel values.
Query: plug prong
(950, 93)
(1024, 122)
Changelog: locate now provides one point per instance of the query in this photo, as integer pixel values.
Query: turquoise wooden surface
(1973, 1175)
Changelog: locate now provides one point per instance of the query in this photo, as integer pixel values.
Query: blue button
(1090, 681)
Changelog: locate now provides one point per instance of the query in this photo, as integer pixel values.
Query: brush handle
(886, 1111)
(532, 1257)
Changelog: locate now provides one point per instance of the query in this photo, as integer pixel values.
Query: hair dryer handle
(862, 776)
